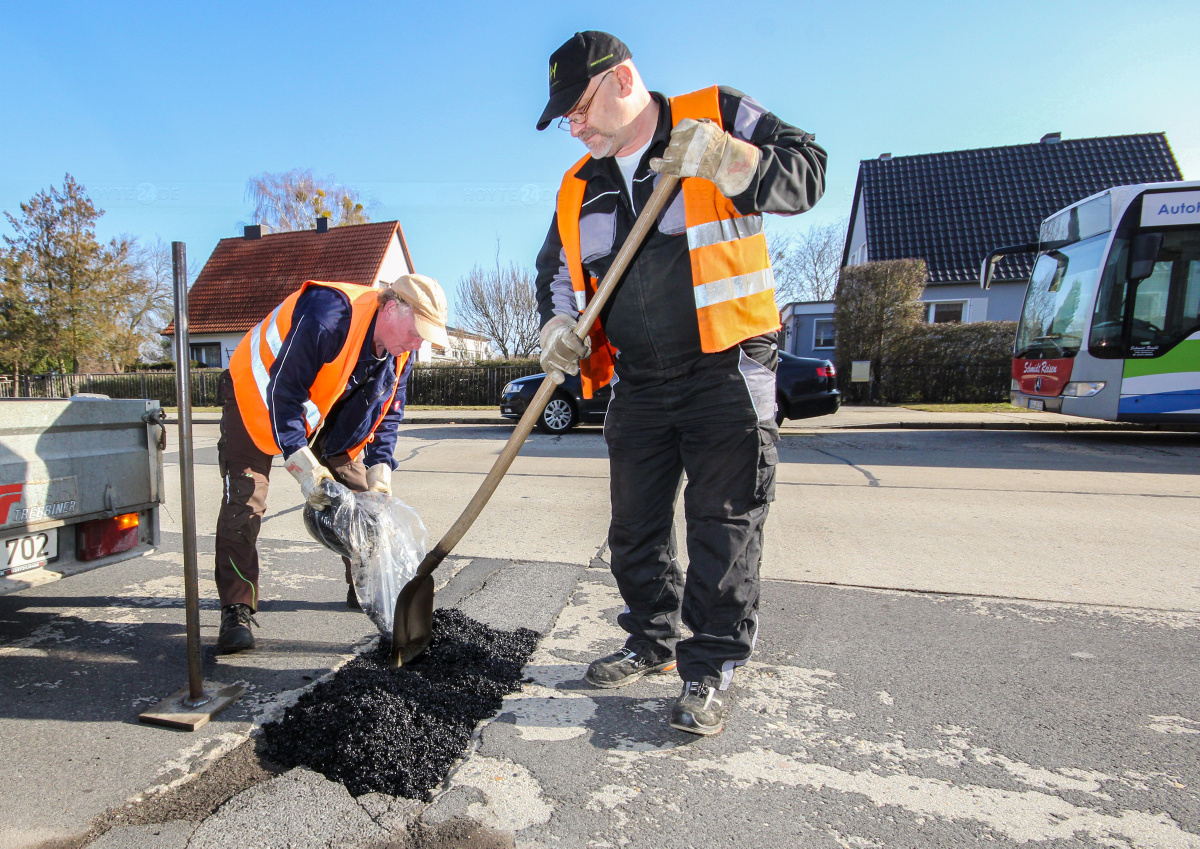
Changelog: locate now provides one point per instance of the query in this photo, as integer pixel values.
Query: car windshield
(1058, 305)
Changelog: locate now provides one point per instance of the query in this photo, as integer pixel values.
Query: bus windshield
(1058, 306)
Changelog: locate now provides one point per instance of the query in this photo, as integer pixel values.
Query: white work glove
(379, 478)
(702, 149)
(561, 348)
(308, 472)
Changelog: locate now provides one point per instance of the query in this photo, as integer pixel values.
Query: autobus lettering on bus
(1171, 208)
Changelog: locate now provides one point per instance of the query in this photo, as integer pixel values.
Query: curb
(1049, 426)
(797, 424)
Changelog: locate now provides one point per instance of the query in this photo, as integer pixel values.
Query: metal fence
(157, 385)
(463, 386)
(480, 386)
(451, 386)
(930, 384)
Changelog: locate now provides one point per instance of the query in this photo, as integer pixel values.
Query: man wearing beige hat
(322, 381)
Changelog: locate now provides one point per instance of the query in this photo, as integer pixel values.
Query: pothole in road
(375, 729)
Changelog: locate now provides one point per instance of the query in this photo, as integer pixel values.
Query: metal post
(183, 383)
(193, 707)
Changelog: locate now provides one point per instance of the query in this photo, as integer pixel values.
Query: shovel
(412, 624)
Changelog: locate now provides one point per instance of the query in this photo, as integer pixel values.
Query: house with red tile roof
(247, 277)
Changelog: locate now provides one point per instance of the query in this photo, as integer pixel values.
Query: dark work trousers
(717, 425)
(246, 472)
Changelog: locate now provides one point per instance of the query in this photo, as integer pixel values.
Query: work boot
(698, 710)
(235, 633)
(352, 598)
(624, 667)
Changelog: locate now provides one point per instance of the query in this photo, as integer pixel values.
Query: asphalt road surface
(969, 638)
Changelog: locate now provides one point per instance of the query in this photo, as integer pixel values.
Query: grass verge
(990, 407)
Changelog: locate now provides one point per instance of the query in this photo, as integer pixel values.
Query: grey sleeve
(554, 293)
(791, 173)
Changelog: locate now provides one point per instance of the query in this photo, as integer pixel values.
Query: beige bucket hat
(428, 302)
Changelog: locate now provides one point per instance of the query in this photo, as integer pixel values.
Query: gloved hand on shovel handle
(379, 478)
(703, 149)
(308, 472)
(561, 348)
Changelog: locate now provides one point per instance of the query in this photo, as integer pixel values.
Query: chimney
(1051, 138)
(255, 231)
(885, 156)
(323, 224)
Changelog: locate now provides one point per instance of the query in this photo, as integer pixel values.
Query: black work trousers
(715, 423)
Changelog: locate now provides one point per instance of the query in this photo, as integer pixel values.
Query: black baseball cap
(572, 66)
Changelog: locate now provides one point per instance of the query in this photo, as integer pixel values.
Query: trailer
(81, 481)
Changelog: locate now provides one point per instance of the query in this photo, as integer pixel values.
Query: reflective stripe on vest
(266, 333)
(250, 365)
(733, 285)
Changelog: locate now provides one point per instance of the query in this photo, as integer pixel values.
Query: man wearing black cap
(689, 342)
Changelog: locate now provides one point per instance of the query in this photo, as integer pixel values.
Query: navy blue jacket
(320, 323)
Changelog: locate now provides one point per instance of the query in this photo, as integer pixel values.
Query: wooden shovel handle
(645, 220)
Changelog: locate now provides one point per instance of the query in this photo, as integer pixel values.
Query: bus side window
(1167, 309)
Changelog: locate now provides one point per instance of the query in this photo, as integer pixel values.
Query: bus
(1110, 326)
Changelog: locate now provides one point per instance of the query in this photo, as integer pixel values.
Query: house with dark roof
(247, 277)
(951, 209)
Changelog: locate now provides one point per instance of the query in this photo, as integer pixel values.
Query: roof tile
(245, 279)
(951, 208)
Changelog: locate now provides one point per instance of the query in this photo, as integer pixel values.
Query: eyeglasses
(579, 114)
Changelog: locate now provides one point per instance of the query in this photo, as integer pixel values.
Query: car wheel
(779, 411)
(559, 415)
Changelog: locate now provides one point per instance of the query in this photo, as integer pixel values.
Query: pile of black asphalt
(399, 731)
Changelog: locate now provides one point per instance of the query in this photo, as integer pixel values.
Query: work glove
(561, 348)
(308, 472)
(379, 478)
(702, 149)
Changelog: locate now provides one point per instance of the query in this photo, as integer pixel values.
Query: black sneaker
(624, 667)
(698, 710)
(352, 598)
(235, 633)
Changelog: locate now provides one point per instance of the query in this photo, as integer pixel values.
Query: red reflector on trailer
(102, 537)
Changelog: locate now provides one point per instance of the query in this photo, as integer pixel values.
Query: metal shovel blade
(412, 622)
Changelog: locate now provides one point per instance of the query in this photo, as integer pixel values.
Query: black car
(805, 388)
(567, 406)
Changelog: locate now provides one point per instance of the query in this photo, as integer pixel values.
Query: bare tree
(806, 264)
(501, 304)
(294, 200)
(155, 309)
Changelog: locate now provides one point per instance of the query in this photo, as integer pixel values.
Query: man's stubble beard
(609, 148)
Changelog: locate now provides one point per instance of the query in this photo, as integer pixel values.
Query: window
(946, 311)
(823, 336)
(1166, 308)
(207, 354)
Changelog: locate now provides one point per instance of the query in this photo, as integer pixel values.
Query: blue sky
(163, 111)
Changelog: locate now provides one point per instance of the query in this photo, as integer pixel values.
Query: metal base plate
(175, 711)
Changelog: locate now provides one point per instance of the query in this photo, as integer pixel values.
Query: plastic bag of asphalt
(384, 538)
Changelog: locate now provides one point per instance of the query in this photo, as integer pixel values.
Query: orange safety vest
(731, 266)
(250, 366)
